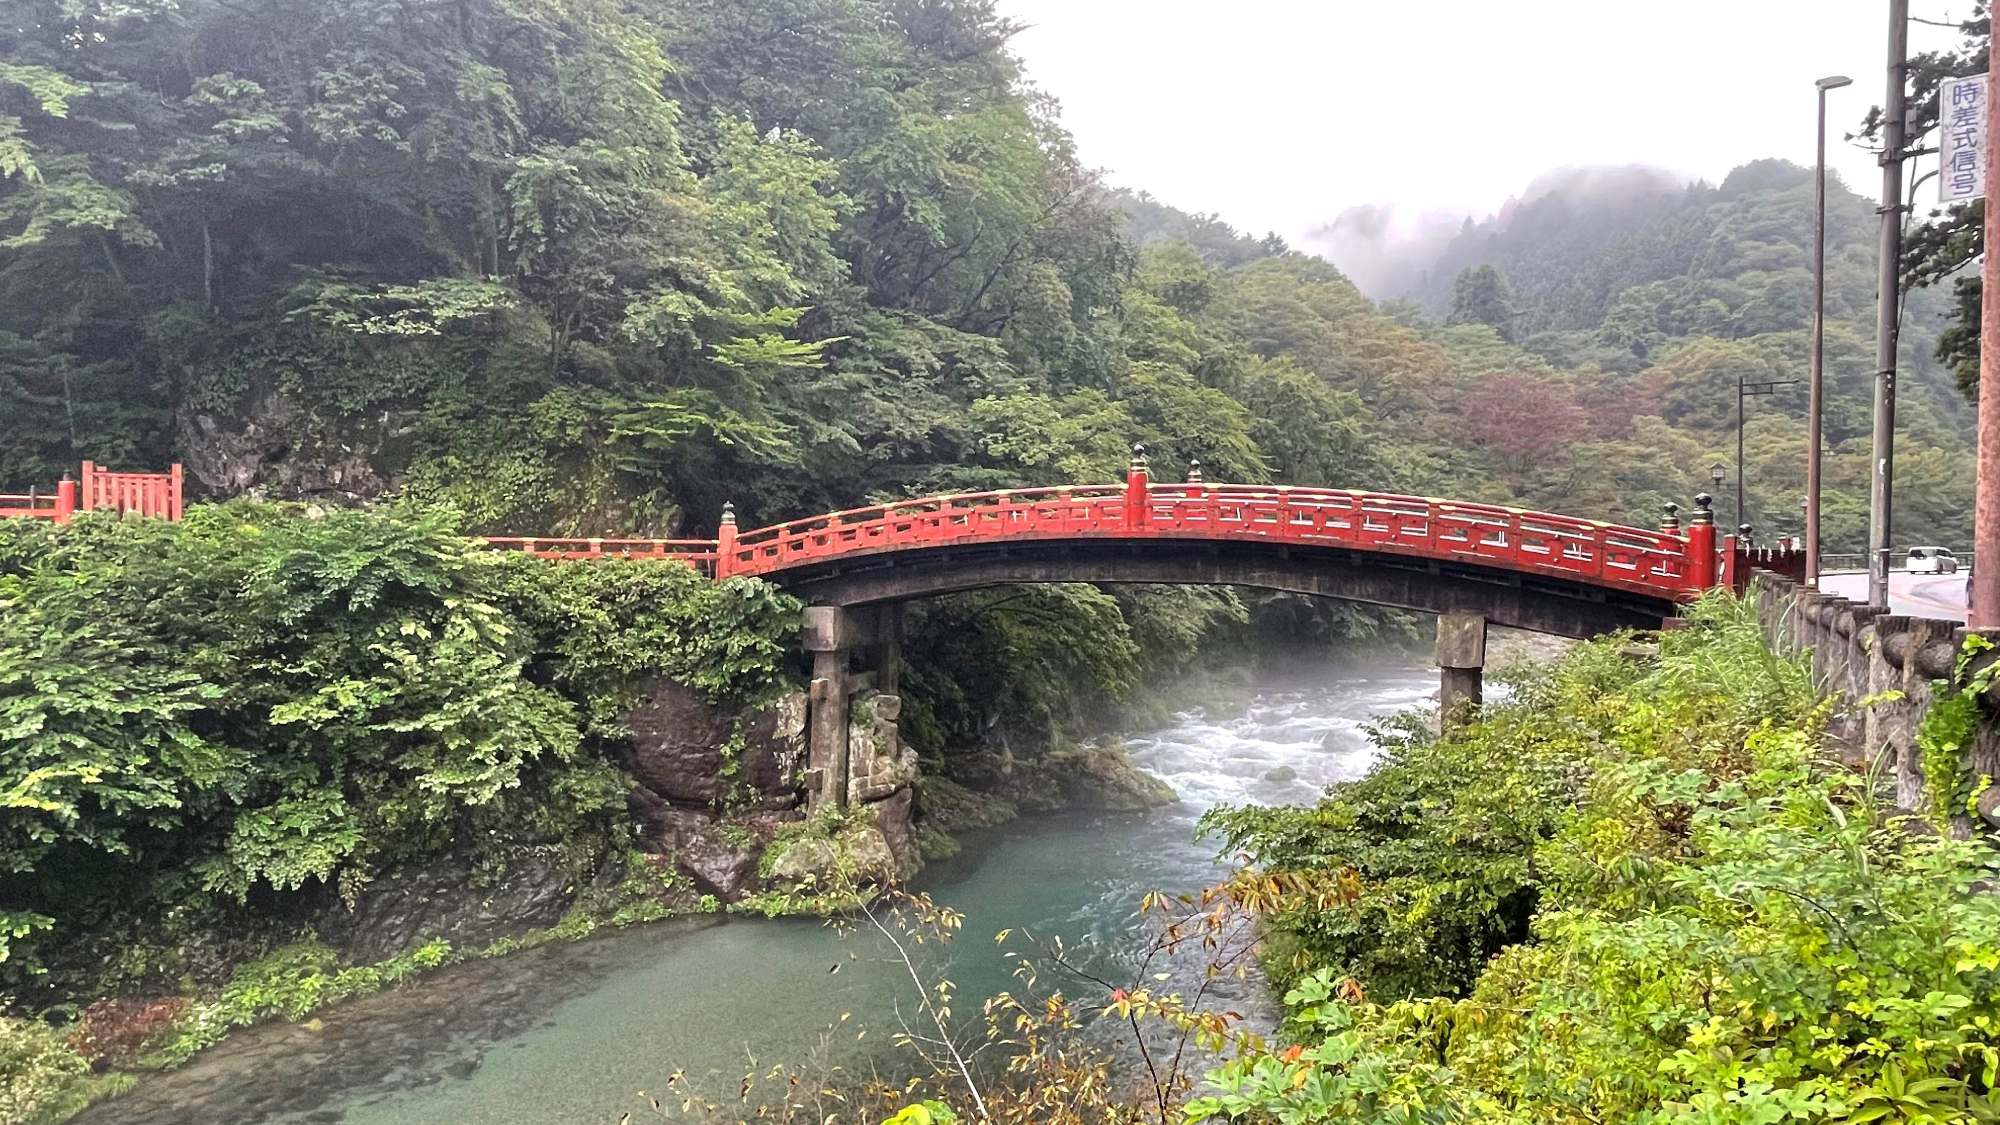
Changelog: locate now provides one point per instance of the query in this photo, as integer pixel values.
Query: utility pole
(1888, 306)
(1817, 361)
(1985, 607)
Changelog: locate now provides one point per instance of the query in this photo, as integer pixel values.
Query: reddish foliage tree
(116, 1032)
(1523, 420)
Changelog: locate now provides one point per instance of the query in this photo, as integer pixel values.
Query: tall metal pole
(1817, 361)
(1985, 608)
(1889, 307)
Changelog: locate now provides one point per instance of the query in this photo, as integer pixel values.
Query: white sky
(1281, 115)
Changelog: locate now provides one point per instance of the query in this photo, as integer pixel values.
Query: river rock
(1103, 777)
(720, 855)
(1281, 774)
(404, 908)
(854, 854)
(896, 817)
(701, 850)
(681, 750)
(947, 806)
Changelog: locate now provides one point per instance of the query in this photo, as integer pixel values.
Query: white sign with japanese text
(1962, 139)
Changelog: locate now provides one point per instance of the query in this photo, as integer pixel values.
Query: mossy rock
(1103, 777)
(934, 843)
(946, 806)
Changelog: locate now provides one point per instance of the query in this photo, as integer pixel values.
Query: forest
(383, 274)
(591, 268)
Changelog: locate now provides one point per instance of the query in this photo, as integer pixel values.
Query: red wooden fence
(156, 495)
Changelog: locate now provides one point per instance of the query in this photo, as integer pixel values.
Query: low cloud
(1389, 252)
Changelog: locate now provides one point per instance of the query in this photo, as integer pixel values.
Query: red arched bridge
(1470, 564)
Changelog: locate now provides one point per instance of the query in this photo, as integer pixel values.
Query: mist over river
(572, 1032)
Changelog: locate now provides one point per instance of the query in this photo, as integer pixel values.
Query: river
(574, 1032)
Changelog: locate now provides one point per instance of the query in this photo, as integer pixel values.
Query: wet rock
(1103, 777)
(854, 854)
(719, 865)
(720, 855)
(442, 900)
(896, 818)
(948, 806)
(1281, 775)
(682, 751)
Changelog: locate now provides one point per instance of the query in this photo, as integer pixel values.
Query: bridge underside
(854, 625)
(1513, 600)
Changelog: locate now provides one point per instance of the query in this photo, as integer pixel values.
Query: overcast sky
(1279, 115)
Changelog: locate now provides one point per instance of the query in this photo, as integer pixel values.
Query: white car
(1931, 560)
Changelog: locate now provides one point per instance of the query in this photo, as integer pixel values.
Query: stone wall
(1881, 667)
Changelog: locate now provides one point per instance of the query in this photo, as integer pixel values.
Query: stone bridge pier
(1461, 661)
(854, 755)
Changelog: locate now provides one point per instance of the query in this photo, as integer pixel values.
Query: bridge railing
(1645, 561)
(1026, 513)
(698, 553)
(146, 494)
(1648, 561)
(57, 505)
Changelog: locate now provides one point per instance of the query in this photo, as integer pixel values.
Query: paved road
(1919, 595)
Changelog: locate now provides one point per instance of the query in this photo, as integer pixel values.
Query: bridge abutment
(1461, 661)
(839, 638)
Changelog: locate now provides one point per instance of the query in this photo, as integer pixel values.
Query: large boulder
(272, 446)
(835, 859)
(685, 751)
(720, 855)
(1103, 777)
(444, 900)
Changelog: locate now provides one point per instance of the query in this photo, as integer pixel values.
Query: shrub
(266, 697)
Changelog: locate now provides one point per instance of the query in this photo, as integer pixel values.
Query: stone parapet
(1883, 670)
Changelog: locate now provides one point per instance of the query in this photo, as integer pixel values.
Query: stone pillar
(827, 638)
(1461, 660)
(889, 649)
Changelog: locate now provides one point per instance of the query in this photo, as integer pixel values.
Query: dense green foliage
(265, 699)
(1726, 927)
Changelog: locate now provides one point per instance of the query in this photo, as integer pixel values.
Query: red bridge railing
(1662, 563)
(155, 495)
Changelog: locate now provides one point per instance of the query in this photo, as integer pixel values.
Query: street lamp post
(1717, 473)
(1818, 346)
